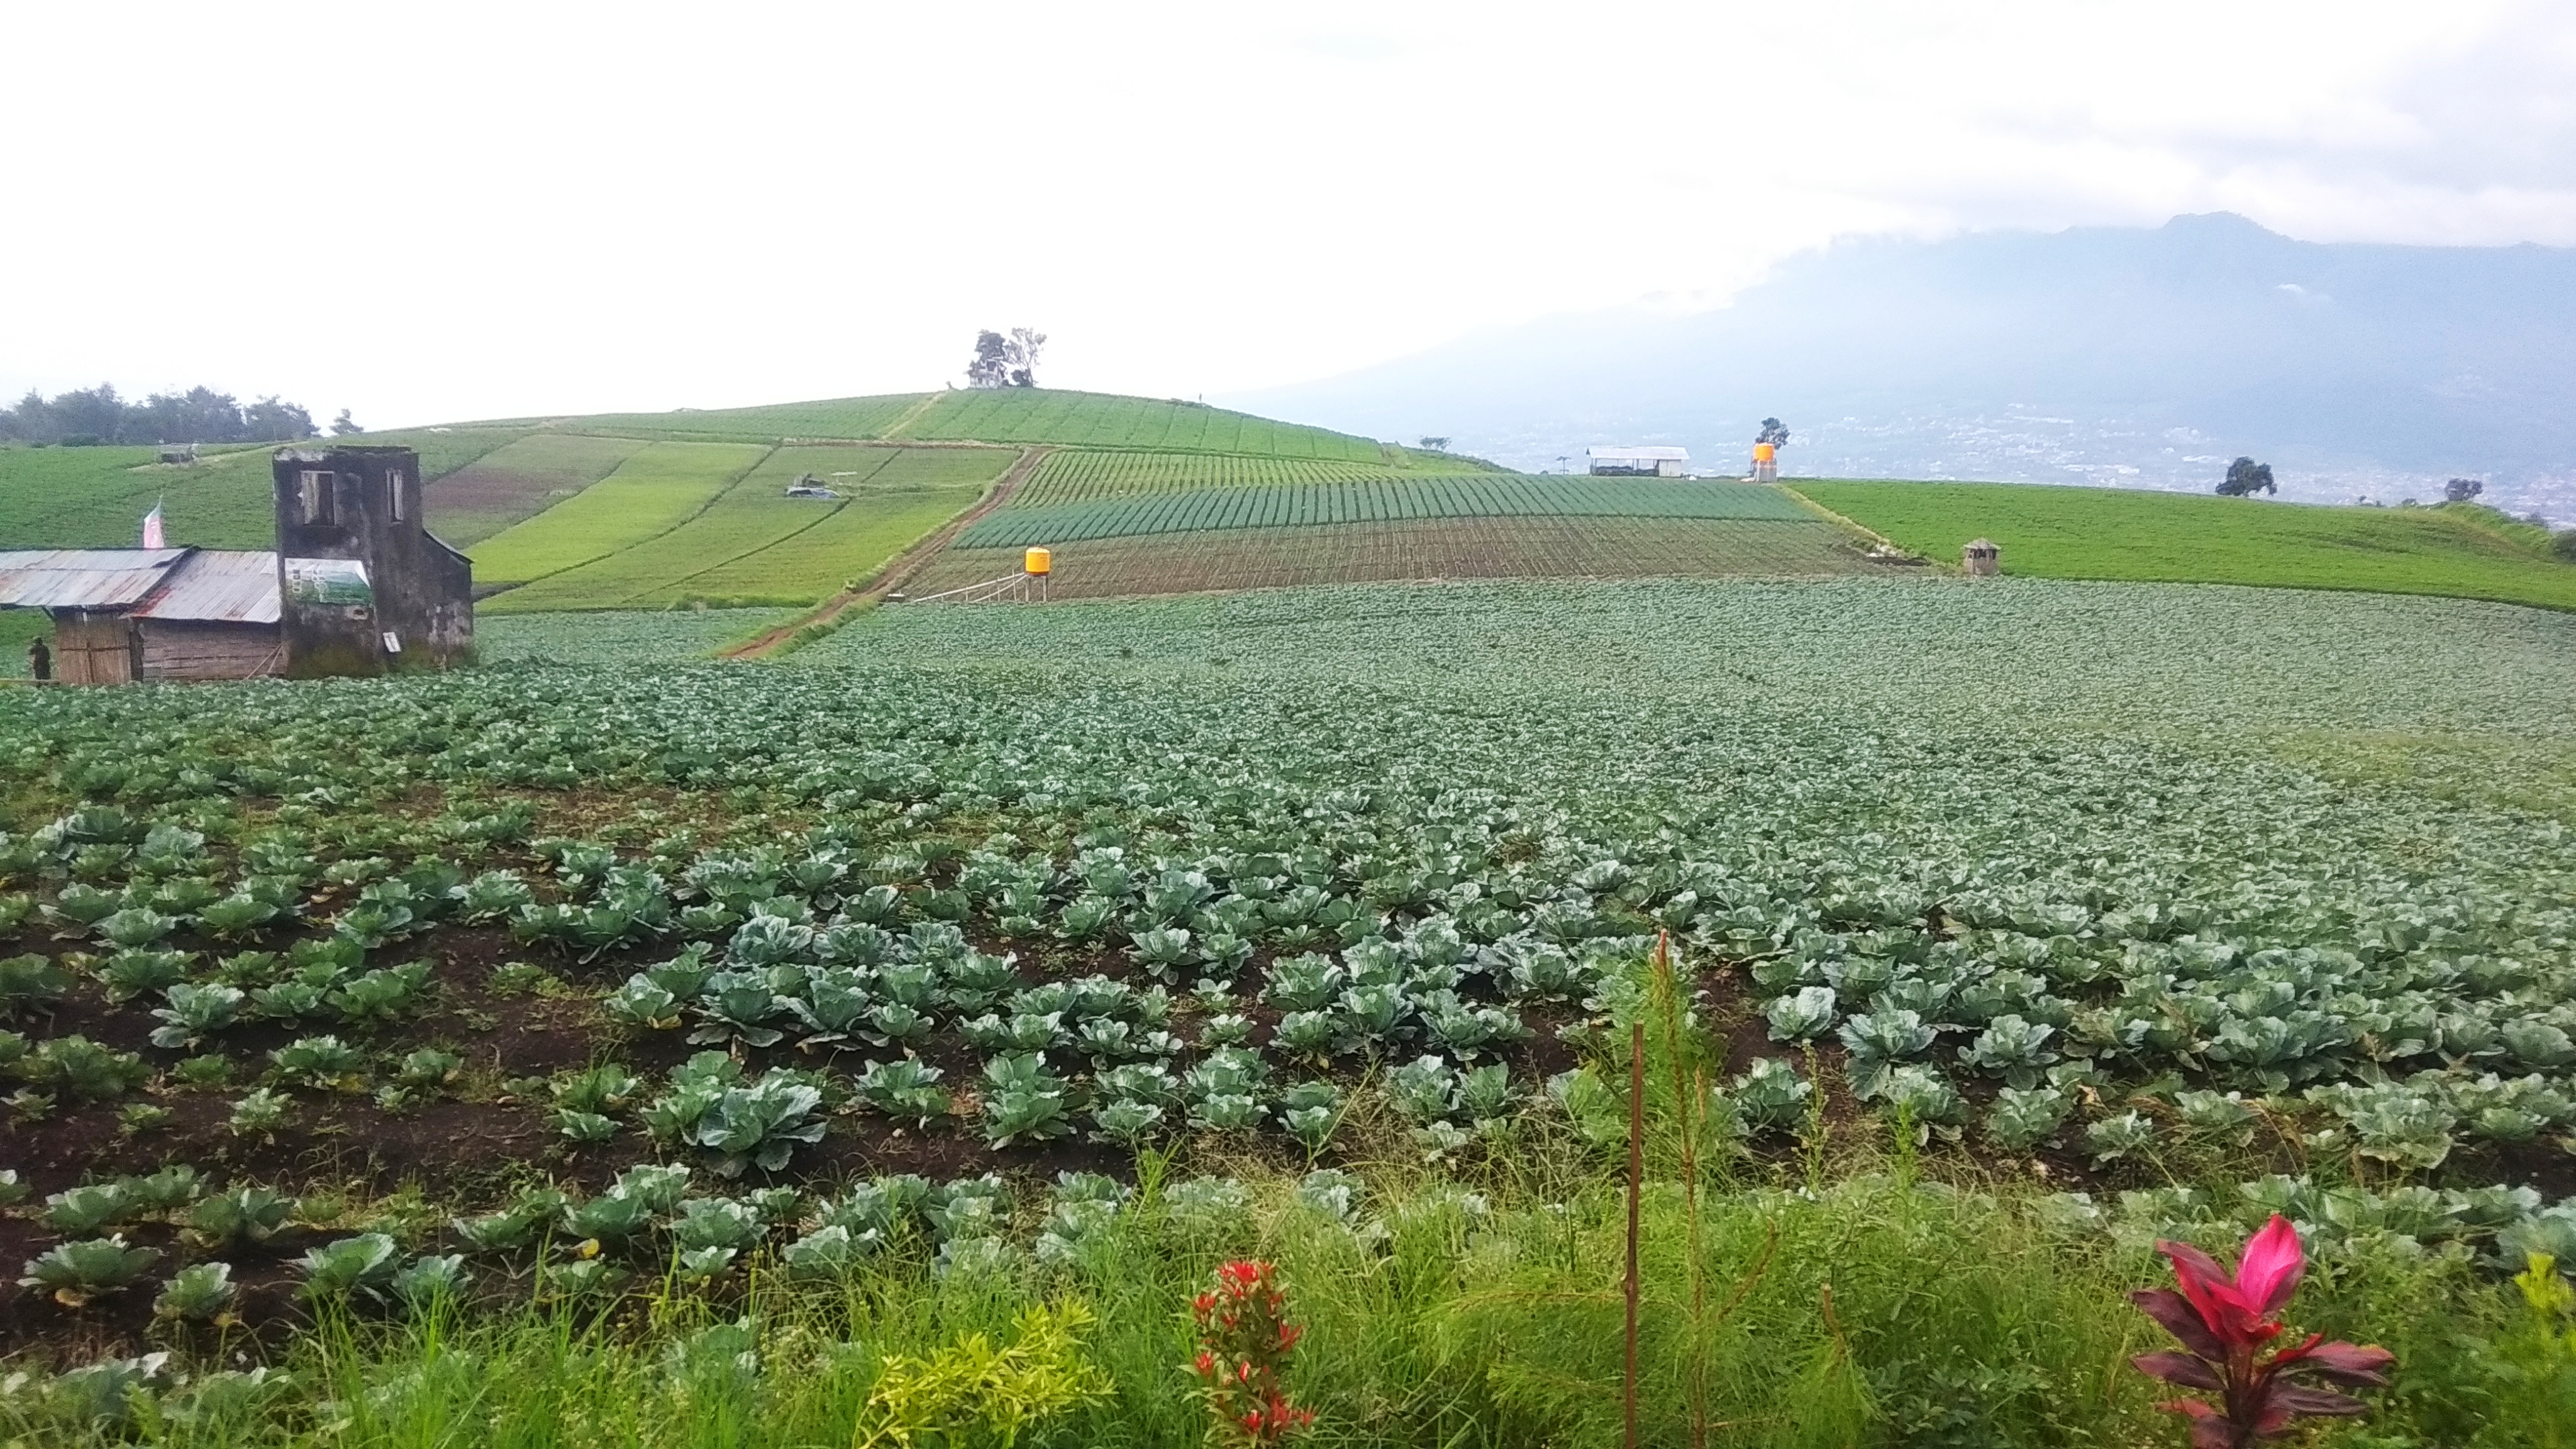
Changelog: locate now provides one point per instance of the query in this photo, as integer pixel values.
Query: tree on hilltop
(1435, 445)
(991, 367)
(1010, 361)
(1021, 352)
(2245, 477)
(344, 425)
(2461, 490)
(1774, 432)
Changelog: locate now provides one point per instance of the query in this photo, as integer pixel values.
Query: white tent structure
(1638, 462)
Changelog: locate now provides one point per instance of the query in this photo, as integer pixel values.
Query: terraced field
(1422, 548)
(654, 492)
(1376, 500)
(519, 480)
(1078, 475)
(2098, 533)
(1009, 415)
(750, 544)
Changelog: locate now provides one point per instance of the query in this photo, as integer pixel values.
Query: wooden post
(1636, 1187)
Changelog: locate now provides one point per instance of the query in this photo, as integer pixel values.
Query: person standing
(40, 661)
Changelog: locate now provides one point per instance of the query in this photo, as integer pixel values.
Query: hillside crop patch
(2099, 533)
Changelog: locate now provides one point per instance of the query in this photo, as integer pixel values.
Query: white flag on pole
(152, 528)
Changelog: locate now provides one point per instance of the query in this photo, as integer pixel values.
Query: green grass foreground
(1874, 1312)
(2123, 534)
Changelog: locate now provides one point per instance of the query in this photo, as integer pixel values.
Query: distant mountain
(2129, 356)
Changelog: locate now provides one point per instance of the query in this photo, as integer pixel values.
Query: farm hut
(1637, 462)
(357, 585)
(123, 615)
(1981, 558)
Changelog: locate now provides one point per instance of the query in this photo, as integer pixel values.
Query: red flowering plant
(2225, 1322)
(1244, 1342)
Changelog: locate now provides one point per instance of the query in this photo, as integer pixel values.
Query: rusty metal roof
(163, 583)
(83, 578)
(218, 587)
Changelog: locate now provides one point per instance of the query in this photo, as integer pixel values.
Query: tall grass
(1874, 1312)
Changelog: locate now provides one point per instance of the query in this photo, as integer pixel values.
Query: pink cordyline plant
(2224, 1322)
(1244, 1342)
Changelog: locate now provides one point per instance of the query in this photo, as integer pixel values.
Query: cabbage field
(965, 936)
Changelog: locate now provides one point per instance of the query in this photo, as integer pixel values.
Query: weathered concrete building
(357, 586)
(364, 587)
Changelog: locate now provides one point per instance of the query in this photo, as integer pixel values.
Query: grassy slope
(96, 497)
(518, 481)
(2088, 533)
(753, 545)
(654, 491)
(1035, 415)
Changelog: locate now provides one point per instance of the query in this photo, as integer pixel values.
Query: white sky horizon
(488, 211)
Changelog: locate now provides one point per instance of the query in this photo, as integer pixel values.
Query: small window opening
(316, 495)
(394, 485)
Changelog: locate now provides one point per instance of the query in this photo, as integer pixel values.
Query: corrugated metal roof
(229, 588)
(83, 578)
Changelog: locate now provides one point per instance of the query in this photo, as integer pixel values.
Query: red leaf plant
(2224, 1322)
(1244, 1342)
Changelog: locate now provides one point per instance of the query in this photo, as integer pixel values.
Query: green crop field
(753, 545)
(1435, 548)
(656, 490)
(96, 498)
(2090, 533)
(609, 1046)
(1076, 475)
(516, 481)
(853, 418)
(1377, 500)
(611, 637)
(1101, 420)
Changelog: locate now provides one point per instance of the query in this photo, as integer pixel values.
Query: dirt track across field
(893, 576)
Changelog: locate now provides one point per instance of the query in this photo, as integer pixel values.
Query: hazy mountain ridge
(2138, 356)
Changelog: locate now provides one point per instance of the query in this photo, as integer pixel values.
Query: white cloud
(481, 209)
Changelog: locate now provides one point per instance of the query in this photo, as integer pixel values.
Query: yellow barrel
(1764, 453)
(1039, 561)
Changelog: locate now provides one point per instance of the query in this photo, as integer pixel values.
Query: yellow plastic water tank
(1764, 453)
(1038, 562)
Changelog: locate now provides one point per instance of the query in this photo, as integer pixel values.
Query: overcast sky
(467, 210)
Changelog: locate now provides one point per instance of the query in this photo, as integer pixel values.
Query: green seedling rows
(656, 490)
(1084, 475)
(751, 544)
(1377, 500)
(516, 481)
(2095, 533)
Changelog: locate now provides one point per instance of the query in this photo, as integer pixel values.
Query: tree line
(97, 415)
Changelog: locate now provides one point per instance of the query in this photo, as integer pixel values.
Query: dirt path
(892, 576)
(893, 431)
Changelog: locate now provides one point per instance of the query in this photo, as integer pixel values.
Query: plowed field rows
(1083, 476)
(1451, 548)
(1377, 500)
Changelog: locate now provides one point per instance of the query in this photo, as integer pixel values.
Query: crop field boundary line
(729, 485)
(1882, 540)
(806, 527)
(909, 416)
(893, 571)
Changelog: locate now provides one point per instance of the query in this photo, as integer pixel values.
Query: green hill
(2460, 551)
(1144, 495)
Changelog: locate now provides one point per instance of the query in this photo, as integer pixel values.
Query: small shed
(1654, 462)
(1981, 558)
(123, 615)
(357, 585)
